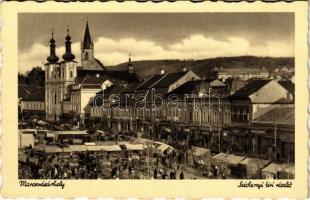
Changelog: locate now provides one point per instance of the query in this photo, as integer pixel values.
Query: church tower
(68, 67)
(51, 67)
(87, 48)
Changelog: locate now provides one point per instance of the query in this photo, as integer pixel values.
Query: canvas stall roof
(71, 132)
(50, 135)
(254, 162)
(220, 157)
(78, 148)
(104, 148)
(66, 149)
(52, 149)
(272, 168)
(234, 160)
(134, 147)
(142, 140)
(164, 147)
(197, 151)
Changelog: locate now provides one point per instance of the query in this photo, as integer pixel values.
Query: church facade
(65, 79)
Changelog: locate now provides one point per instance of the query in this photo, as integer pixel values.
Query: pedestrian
(181, 175)
(155, 173)
(171, 175)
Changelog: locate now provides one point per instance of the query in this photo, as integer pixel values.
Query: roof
(279, 115)
(114, 75)
(288, 85)
(71, 132)
(191, 87)
(169, 79)
(161, 80)
(93, 64)
(251, 87)
(147, 84)
(88, 82)
(195, 87)
(242, 70)
(31, 93)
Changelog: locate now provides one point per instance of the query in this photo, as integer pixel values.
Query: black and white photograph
(191, 95)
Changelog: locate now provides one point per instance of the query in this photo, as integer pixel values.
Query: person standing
(181, 175)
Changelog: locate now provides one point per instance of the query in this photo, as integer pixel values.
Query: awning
(78, 148)
(219, 158)
(50, 135)
(77, 141)
(164, 147)
(104, 148)
(254, 162)
(52, 149)
(274, 168)
(197, 151)
(234, 160)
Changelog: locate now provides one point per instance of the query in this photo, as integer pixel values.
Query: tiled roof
(191, 87)
(162, 80)
(151, 81)
(169, 79)
(279, 115)
(288, 85)
(114, 75)
(93, 64)
(251, 87)
(195, 87)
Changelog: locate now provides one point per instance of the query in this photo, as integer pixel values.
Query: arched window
(55, 98)
(86, 56)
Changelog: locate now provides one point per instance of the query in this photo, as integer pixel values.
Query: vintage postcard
(145, 100)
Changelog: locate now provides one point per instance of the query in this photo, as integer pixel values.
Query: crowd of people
(112, 165)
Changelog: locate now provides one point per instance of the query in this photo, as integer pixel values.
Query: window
(71, 74)
(86, 56)
(55, 99)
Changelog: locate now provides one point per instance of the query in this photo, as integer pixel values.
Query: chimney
(161, 71)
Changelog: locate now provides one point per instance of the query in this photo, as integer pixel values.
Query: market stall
(134, 147)
(52, 149)
(278, 171)
(220, 158)
(253, 167)
(234, 167)
(163, 149)
(201, 156)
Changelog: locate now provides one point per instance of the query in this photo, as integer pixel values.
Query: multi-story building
(262, 117)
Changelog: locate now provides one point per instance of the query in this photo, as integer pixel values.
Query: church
(70, 85)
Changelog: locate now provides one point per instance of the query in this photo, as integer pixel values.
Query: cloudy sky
(157, 35)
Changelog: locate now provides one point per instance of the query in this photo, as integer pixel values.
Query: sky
(151, 36)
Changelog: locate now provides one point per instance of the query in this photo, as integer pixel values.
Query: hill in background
(203, 67)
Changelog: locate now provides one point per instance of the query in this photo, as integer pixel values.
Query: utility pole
(210, 118)
(275, 136)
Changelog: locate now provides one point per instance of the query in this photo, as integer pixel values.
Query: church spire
(52, 57)
(68, 56)
(87, 42)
